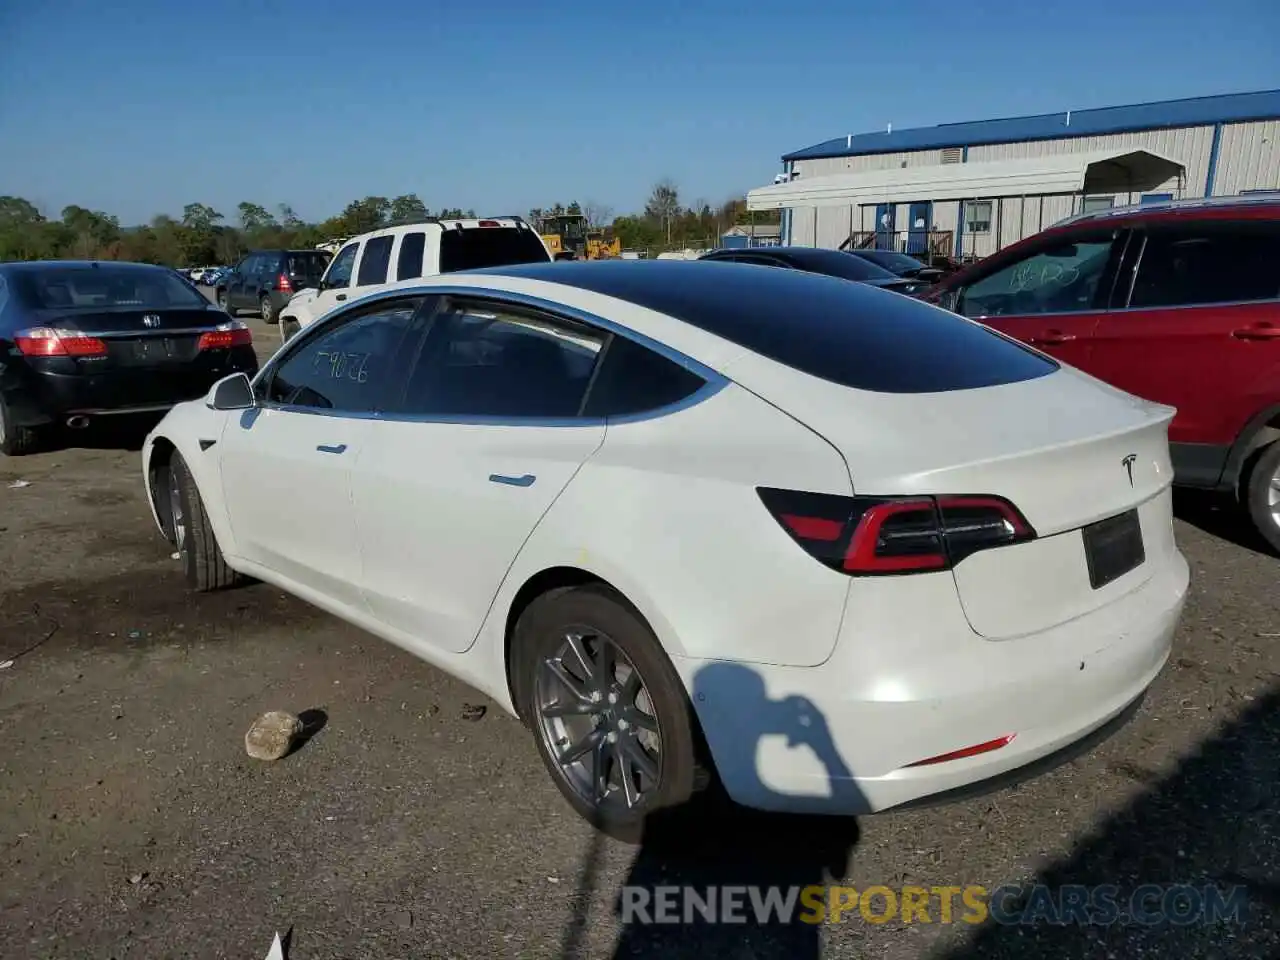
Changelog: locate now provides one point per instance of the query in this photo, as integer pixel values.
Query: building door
(921, 216)
(884, 225)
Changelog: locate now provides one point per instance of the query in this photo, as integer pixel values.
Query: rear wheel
(202, 560)
(223, 302)
(1263, 494)
(15, 441)
(609, 714)
(267, 309)
(289, 328)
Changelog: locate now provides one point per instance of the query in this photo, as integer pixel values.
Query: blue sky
(139, 106)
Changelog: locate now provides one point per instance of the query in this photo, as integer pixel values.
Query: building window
(1094, 204)
(977, 216)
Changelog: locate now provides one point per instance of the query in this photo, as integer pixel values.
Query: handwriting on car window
(341, 365)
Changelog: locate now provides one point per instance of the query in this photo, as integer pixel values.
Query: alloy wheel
(1273, 497)
(177, 517)
(597, 720)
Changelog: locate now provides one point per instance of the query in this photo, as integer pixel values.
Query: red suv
(1178, 303)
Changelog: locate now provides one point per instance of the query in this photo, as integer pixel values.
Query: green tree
(254, 218)
(408, 208)
(663, 206)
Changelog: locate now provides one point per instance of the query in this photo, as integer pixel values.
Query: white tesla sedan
(833, 546)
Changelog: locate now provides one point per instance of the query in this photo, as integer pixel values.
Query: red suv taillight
(883, 535)
(227, 335)
(50, 342)
(283, 284)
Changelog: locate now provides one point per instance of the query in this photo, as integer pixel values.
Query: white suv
(370, 262)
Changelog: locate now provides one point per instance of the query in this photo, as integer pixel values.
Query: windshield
(95, 287)
(476, 247)
(900, 263)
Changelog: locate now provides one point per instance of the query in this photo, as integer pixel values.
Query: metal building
(968, 189)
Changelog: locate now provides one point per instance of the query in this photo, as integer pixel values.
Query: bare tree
(663, 205)
(597, 214)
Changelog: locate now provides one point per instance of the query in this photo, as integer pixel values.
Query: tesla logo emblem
(1128, 466)
(151, 320)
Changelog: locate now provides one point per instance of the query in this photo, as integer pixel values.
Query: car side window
(249, 267)
(1191, 264)
(376, 260)
(345, 367)
(1063, 277)
(634, 379)
(339, 272)
(409, 260)
(488, 360)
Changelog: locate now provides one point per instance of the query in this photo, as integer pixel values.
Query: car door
(455, 477)
(246, 268)
(335, 286)
(1051, 294)
(1200, 327)
(286, 465)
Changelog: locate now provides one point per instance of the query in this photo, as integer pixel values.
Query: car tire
(15, 441)
(289, 328)
(205, 567)
(223, 301)
(638, 721)
(267, 309)
(1262, 495)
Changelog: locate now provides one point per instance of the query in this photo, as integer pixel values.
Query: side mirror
(231, 393)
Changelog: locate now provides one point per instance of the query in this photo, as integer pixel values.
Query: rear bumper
(910, 680)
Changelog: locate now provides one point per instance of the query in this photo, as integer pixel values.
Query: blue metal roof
(1193, 112)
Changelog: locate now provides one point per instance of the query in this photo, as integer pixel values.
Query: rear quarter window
(473, 248)
(633, 380)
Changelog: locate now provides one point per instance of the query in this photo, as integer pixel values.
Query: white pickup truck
(371, 261)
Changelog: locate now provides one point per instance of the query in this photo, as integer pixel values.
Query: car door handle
(341, 296)
(1053, 337)
(525, 481)
(335, 448)
(1260, 332)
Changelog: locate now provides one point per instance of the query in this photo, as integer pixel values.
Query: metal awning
(1096, 172)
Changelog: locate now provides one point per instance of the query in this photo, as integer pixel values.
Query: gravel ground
(133, 825)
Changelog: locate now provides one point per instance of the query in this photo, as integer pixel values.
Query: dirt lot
(133, 825)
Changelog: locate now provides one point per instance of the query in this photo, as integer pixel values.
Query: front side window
(493, 361)
(376, 260)
(339, 273)
(1060, 278)
(345, 367)
(1208, 263)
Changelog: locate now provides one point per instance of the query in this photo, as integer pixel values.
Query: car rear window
(309, 266)
(473, 248)
(837, 263)
(96, 287)
(848, 333)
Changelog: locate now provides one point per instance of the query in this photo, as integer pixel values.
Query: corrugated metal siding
(829, 166)
(1248, 158)
(1190, 145)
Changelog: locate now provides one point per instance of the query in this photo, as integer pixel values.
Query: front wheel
(1263, 494)
(610, 716)
(205, 567)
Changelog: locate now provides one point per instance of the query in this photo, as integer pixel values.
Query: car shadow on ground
(1219, 515)
(1214, 822)
(712, 844)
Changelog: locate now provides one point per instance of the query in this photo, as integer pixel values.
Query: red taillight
(283, 284)
(48, 342)
(887, 535)
(233, 334)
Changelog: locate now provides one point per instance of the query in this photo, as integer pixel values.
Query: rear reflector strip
(975, 750)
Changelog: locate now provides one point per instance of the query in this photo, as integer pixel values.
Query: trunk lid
(140, 338)
(1066, 449)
